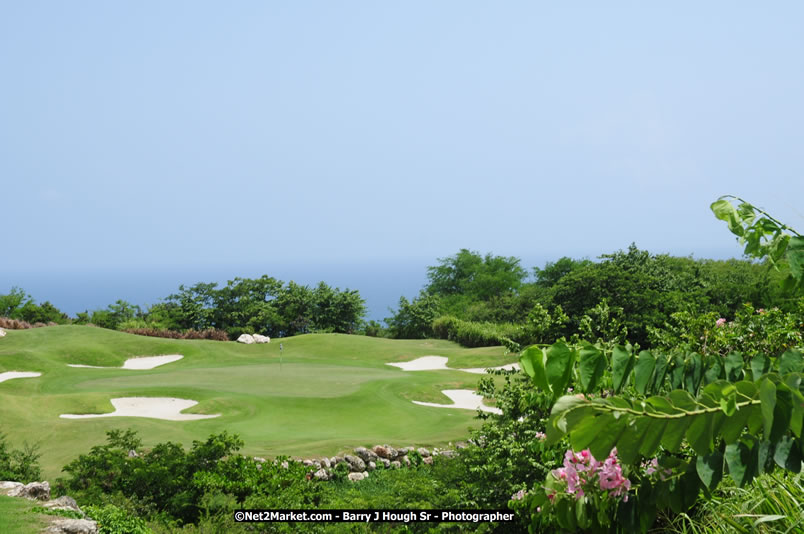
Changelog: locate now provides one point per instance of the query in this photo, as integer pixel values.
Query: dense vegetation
(656, 392)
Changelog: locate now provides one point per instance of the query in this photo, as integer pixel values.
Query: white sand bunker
(465, 399)
(140, 363)
(425, 363)
(437, 363)
(8, 375)
(167, 408)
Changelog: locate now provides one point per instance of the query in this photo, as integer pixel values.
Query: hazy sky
(155, 135)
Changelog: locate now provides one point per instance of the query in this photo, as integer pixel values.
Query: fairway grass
(327, 393)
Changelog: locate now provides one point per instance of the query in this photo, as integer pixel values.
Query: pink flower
(720, 322)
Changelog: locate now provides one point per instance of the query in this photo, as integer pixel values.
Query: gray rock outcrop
(72, 526)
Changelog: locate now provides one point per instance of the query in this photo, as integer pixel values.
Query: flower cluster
(583, 474)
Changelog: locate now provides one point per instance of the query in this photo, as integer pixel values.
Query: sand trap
(437, 363)
(466, 399)
(8, 375)
(140, 363)
(166, 408)
(425, 363)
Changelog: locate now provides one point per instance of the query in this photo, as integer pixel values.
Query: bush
(217, 335)
(20, 465)
(475, 334)
(14, 324)
(114, 520)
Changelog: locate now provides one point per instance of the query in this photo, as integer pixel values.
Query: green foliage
(765, 237)
(114, 520)
(210, 478)
(474, 334)
(19, 305)
(414, 319)
(752, 331)
(20, 465)
(467, 274)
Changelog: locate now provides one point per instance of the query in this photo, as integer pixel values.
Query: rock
(424, 453)
(62, 503)
(2, 332)
(365, 474)
(406, 461)
(356, 477)
(371, 466)
(461, 445)
(307, 463)
(326, 462)
(248, 339)
(448, 454)
(261, 339)
(260, 460)
(363, 453)
(428, 460)
(396, 464)
(355, 463)
(321, 474)
(7, 486)
(73, 526)
(404, 450)
(284, 464)
(385, 462)
(35, 490)
(132, 454)
(385, 451)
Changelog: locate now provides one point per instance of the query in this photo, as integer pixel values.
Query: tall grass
(772, 504)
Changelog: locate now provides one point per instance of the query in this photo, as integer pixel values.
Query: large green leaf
(741, 458)
(558, 367)
(767, 394)
(621, 363)
(693, 372)
(710, 469)
(791, 362)
(532, 362)
(788, 454)
(643, 371)
(760, 365)
(734, 366)
(591, 367)
(725, 211)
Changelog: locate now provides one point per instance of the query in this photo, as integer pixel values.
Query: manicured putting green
(324, 394)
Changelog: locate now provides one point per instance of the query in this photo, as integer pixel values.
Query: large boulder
(424, 453)
(356, 477)
(366, 455)
(385, 451)
(248, 339)
(355, 463)
(321, 474)
(64, 502)
(38, 491)
(6, 486)
(261, 339)
(72, 526)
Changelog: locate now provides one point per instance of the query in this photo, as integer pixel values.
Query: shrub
(21, 465)
(14, 324)
(216, 335)
(114, 520)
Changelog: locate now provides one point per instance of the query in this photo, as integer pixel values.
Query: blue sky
(243, 137)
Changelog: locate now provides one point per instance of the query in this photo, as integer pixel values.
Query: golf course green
(324, 394)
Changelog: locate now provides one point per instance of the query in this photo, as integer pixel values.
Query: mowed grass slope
(329, 392)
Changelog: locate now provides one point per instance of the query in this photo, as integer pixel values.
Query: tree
(414, 319)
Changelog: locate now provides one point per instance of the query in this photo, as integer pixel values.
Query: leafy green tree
(414, 319)
(11, 303)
